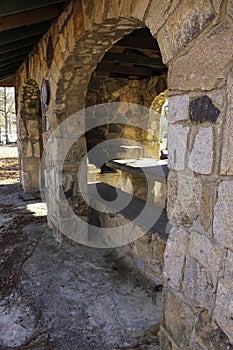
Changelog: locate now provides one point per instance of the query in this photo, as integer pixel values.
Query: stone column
(198, 258)
(30, 136)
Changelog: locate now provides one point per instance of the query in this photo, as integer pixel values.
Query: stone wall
(146, 252)
(104, 89)
(30, 136)
(195, 38)
(198, 254)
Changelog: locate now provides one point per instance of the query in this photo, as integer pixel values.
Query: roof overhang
(22, 24)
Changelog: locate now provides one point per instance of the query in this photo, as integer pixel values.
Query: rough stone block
(184, 196)
(93, 12)
(178, 319)
(139, 8)
(57, 56)
(158, 12)
(33, 129)
(31, 165)
(216, 5)
(195, 346)
(184, 24)
(207, 203)
(227, 159)
(207, 254)
(230, 7)
(125, 11)
(112, 9)
(26, 149)
(187, 73)
(197, 284)
(142, 249)
(159, 246)
(159, 194)
(155, 269)
(22, 129)
(70, 30)
(217, 97)
(224, 307)
(165, 343)
(223, 220)
(30, 181)
(54, 71)
(174, 256)
(202, 110)
(210, 335)
(201, 156)
(36, 150)
(177, 145)
(178, 108)
(78, 19)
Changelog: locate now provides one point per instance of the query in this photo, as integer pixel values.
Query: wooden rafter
(7, 82)
(13, 35)
(9, 7)
(111, 67)
(134, 60)
(28, 17)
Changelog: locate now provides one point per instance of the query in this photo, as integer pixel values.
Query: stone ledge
(158, 172)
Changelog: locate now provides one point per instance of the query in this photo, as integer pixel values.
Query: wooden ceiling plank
(15, 6)
(16, 60)
(8, 70)
(27, 42)
(134, 59)
(7, 81)
(15, 53)
(109, 67)
(139, 43)
(16, 34)
(28, 17)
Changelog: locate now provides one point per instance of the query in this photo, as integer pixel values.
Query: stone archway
(30, 135)
(131, 71)
(71, 93)
(72, 86)
(196, 82)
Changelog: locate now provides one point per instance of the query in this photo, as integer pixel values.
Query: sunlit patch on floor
(9, 165)
(37, 209)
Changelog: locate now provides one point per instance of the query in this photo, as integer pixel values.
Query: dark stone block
(203, 110)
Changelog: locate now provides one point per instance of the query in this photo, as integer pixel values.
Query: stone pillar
(30, 136)
(198, 268)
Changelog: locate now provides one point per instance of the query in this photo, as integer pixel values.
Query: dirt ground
(67, 297)
(9, 167)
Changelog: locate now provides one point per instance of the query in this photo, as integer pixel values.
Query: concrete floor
(70, 297)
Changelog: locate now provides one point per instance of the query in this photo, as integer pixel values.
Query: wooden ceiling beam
(139, 43)
(108, 67)
(134, 60)
(4, 73)
(28, 17)
(14, 35)
(8, 81)
(15, 53)
(27, 42)
(16, 61)
(9, 7)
